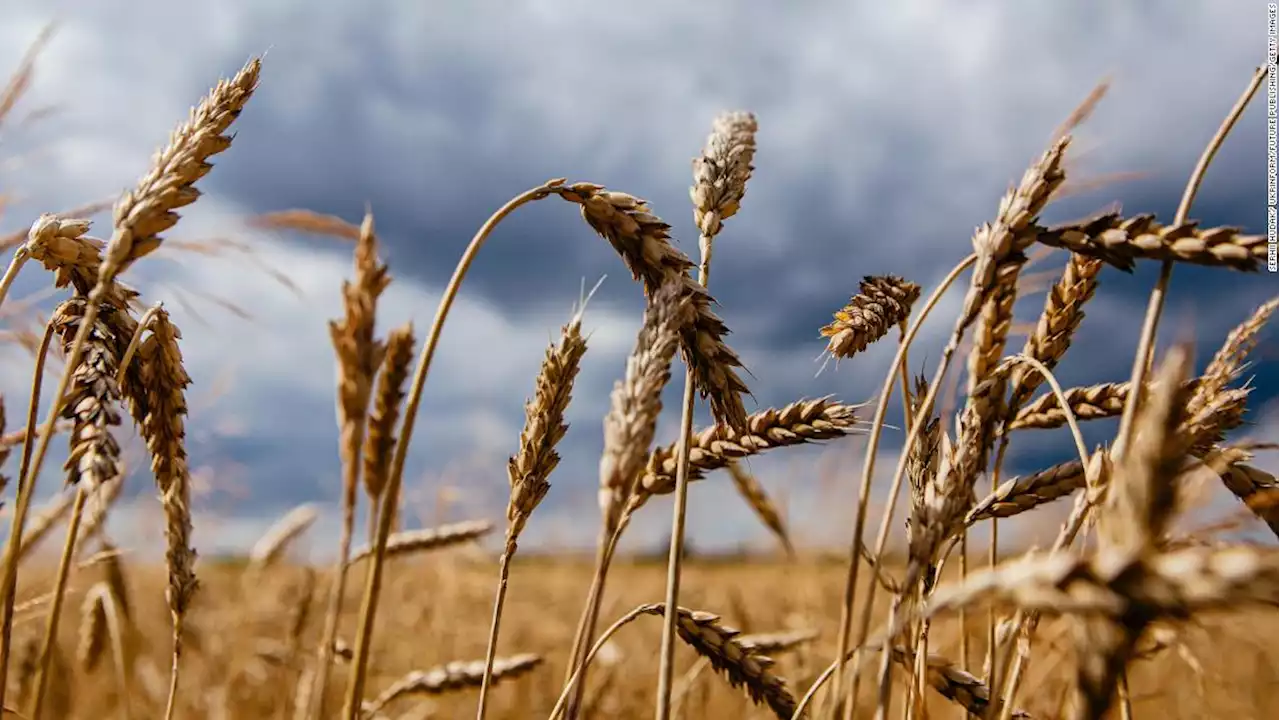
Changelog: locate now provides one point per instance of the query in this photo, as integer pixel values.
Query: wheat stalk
(529, 469)
(635, 404)
(452, 677)
(358, 355)
(416, 541)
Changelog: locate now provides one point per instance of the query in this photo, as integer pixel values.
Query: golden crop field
(1122, 613)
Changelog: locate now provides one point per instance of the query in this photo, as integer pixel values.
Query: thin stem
(117, 653)
(333, 612)
(144, 323)
(55, 609)
(666, 662)
(20, 257)
(1146, 341)
(9, 579)
(558, 708)
(993, 560)
(591, 613)
(504, 567)
(868, 471)
(25, 492)
(172, 703)
(391, 494)
(372, 530)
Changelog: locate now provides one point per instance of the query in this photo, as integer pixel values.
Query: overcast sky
(888, 131)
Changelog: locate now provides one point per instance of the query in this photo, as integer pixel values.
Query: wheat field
(1122, 615)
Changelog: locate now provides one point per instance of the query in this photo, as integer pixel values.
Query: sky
(888, 132)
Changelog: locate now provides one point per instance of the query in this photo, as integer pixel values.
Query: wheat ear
(741, 664)
(380, 440)
(416, 541)
(94, 457)
(358, 354)
(530, 468)
(99, 626)
(276, 540)
(139, 217)
(719, 182)
(452, 677)
(164, 430)
(16, 541)
(881, 303)
(629, 426)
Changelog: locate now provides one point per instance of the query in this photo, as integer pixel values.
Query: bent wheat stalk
(1155, 305)
(391, 494)
(15, 543)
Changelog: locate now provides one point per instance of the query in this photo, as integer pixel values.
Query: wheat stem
(144, 323)
(25, 492)
(20, 257)
(1146, 341)
(55, 608)
(666, 661)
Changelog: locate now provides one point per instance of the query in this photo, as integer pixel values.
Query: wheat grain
(1062, 314)
(416, 541)
(801, 422)
(882, 302)
(642, 240)
(636, 403)
(452, 677)
(380, 440)
(146, 211)
(1120, 242)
